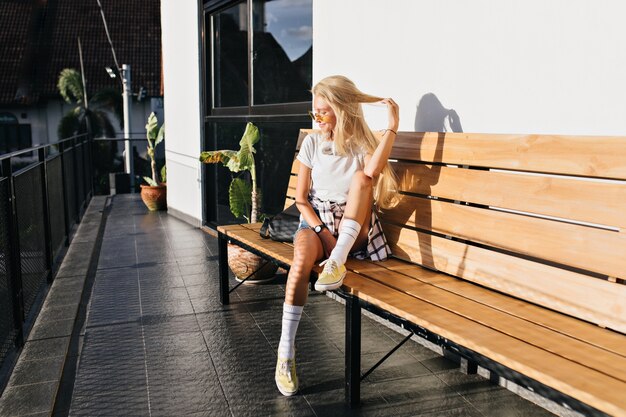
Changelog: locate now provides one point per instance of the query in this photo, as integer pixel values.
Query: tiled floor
(157, 341)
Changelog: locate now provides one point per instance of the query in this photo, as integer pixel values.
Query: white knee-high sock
(291, 319)
(348, 233)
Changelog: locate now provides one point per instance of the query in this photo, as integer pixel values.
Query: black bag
(283, 226)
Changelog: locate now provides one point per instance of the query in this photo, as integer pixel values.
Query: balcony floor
(157, 341)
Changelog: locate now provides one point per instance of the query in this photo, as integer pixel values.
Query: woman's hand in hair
(393, 113)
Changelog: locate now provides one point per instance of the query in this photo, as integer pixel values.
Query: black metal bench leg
(353, 351)
(468, 367)
(222, 243)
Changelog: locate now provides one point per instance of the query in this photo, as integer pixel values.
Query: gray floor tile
(37, 371)
(27, 399)
(45, 348)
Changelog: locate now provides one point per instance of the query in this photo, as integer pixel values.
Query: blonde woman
(343, 175)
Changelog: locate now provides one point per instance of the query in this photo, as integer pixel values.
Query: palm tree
(91, 117)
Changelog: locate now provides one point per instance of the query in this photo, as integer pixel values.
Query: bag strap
(264, 232)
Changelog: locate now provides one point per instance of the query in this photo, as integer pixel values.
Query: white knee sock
(291, 319)
(348, 233)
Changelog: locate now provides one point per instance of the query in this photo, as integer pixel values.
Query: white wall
(504, 66)
(181, 71)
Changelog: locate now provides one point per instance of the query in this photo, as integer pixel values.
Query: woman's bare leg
(307, 250)
(359, 206)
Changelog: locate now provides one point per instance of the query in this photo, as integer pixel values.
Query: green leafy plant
(155, 136)
(243, 197)
(89, 117)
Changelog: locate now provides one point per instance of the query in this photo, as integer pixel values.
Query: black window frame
(280, 112)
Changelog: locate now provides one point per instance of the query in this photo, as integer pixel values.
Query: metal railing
(111, 160)
(44, 192)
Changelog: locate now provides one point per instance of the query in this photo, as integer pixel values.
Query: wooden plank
(288, 203)
(291, 188)
(595, 300)
(590, 156)
(295, 167)
(303, 134)
(560, 344)
(599, 202)
(579, 246)
(276, 250)
(589, 333)
(589, 386)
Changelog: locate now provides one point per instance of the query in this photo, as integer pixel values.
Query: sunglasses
(318, 118)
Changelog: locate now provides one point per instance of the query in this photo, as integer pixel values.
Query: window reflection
(282, 51)
(275, 153)
(230, 61)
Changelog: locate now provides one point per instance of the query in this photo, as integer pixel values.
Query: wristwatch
(318, 229)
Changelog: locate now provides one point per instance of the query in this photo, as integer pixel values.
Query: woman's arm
(302, 196)
(302, 202)
(375, 162)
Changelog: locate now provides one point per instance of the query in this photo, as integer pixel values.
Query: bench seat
(578, 359)
(508, 250)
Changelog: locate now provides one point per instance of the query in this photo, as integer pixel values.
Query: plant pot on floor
(243, 263)
(154, 197)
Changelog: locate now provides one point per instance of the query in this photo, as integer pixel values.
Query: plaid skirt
(331, 214)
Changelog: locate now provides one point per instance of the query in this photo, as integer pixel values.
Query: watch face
(318, 228)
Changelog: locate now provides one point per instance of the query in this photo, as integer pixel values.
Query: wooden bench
(509, 250)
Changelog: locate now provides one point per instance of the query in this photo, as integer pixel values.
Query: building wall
(481, 66)
(44, 118)
(181, 75)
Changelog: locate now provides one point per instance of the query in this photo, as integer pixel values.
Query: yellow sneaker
(331, 277)
(286, 378)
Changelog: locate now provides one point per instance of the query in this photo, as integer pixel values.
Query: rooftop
(39, 39)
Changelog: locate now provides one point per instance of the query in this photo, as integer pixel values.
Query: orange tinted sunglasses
(317, 118)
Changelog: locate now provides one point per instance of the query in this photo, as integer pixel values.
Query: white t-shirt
(331, 174)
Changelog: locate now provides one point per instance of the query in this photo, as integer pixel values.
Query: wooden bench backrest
(539, 217)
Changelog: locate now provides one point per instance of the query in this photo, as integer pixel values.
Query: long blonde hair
(351, 133)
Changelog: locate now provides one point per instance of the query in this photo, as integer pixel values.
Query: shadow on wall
(431, 116)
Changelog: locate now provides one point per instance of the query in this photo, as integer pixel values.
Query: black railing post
(77, 203)
(46, 212)
(90, 165)
(223, 266)
(353, 351)
(66, 213)
(15, 258)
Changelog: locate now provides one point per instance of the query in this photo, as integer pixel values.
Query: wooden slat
(250, 237)
(295, 167)
(595, 201)
(594, 300)
(591, 156)
(589, 333)
(291, 188)
(560, 344)
(589, 386)
(579, 246)
(303, 133)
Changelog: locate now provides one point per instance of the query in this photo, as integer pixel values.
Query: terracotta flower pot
(243, 263)
(155, 198)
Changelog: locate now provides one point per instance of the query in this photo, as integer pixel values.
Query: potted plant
(154, 195)
(244, 202)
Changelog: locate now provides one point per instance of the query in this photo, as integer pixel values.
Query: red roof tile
(135, 29)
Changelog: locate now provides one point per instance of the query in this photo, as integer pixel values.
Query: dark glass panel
(230, 58)
(282, 51)
(275, 152)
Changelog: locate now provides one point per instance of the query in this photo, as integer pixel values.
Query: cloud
(270, 18)
(301, 33)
